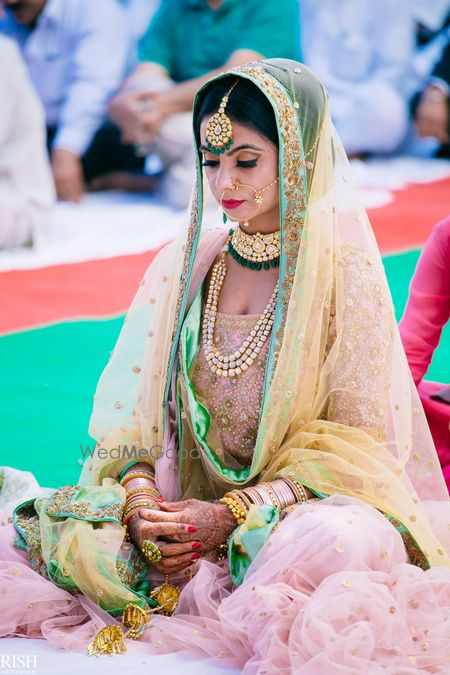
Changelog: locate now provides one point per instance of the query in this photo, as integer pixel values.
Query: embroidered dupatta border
(292, 172)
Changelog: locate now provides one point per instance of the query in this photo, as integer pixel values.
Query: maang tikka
(219, 130)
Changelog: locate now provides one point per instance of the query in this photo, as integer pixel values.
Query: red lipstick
(232, 203)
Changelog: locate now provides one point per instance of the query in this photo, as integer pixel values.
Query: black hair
(247, 105)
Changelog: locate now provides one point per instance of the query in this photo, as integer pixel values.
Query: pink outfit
(331, 592)
(427, 312)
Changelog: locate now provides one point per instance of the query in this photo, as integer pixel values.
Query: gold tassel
(111, 639)
(135, 618)
(167, 596)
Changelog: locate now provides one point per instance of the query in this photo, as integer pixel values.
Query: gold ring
(151, 551)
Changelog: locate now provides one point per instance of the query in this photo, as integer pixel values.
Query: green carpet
(399, 271)
(49, 377)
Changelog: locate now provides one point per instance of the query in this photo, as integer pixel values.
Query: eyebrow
(235, 150)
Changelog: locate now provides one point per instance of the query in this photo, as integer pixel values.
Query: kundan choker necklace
(231, 365)
(255, 251)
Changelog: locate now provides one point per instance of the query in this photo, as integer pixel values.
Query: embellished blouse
(233, 403)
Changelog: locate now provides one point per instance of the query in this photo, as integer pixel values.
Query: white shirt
(26, 185)
(76, 56)
(349, 43)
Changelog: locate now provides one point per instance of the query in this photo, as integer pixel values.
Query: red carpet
(407, 221)
(92, 289)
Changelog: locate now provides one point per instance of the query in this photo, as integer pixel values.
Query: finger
(183, 560)
(146, 93)
(155, 515)
(168, 549)
(172, 506)
(165, 529)
(173, 570)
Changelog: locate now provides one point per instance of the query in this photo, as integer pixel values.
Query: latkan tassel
(111, 639)
(167, 597)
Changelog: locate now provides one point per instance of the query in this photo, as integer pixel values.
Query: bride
(264, 488)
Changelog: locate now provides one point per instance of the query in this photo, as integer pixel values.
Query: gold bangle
(137, 474)
(142, 494)
(234, 494)
(135, 506)
(136, 500)
(141, 489)
(145, 472)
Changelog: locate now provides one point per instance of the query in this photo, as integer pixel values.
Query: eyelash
(249, 164)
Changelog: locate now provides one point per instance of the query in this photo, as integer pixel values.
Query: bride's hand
(179, 555)
(213, 523)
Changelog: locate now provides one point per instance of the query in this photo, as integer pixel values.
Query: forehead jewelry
(258, 195)
(219, 130)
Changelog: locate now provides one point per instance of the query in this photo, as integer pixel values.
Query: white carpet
(102, 225)
(39, 658)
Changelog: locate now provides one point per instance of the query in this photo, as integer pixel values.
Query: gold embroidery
(28, 523)
(359, 398)
(416, 555)
(234, 411)
(29, 535)
(188, 249)
(62, 504)
(292, 184)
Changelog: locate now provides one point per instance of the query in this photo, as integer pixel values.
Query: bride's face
(252, 160)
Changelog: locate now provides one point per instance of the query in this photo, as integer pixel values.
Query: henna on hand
(214, 522)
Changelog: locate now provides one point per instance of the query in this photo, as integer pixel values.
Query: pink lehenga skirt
(332, 591)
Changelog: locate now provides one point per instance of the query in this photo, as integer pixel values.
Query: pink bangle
(143, 482)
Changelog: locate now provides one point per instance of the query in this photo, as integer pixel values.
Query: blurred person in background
(426, 314)
(187, 42)
(431, 103)
(76, 54)
(139, 14)
(26, 187)
(361, 51)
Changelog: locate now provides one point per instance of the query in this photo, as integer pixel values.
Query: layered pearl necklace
(230, 365)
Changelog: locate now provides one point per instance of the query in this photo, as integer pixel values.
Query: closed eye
(248, 164)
